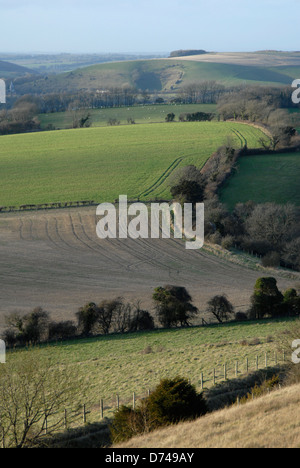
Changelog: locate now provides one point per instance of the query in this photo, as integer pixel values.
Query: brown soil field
(55, 260)
(265, 59)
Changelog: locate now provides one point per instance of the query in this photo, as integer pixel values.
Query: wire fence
(93, 412)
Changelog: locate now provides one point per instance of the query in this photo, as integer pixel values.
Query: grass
(102, 163)
(271, 421)
(140, 114)
(267, 178)
(122, 364)
(157, 75)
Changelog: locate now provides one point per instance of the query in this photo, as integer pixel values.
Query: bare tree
(33, 395)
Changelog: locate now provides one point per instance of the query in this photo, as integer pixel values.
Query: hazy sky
(148, 25)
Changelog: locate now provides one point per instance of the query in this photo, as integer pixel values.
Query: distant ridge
(187, 53)
(11, 70)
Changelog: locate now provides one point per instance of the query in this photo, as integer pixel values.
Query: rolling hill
(169, 75)
(102, 163)
(10, 70)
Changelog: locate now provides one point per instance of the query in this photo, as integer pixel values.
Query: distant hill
(186, 53)
(264, 58)
(11, 70)
(67, 62)
(169, 75)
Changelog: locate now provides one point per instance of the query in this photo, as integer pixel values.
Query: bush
(174, 400)
(227, 242)
(62, 330)
(29, 328)
(142, 320)
(271, 259)
(241, 317)
(126, 424)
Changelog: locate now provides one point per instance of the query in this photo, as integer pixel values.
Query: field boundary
(105, 407)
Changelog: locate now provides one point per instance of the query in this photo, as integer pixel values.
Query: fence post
(266, 359)
(236, 368)
(214, 377)
(101, 409)
(247, 365)
(84, 414)
(256, 362)
(201, 379)
(66, 421)
(225, 372)
(133, 400)
(118, 402)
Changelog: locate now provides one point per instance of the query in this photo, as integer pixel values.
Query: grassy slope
(271, 421)
(268, 178)
(117, 364)
(11, 70)
(160, 75)
(102, 163)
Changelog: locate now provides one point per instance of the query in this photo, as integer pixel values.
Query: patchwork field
(264, 178)
(102, 163)
(168, 75)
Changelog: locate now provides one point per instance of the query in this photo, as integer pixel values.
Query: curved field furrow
(162, 178)
(55, 260)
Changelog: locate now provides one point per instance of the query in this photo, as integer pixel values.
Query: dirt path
(54, 259)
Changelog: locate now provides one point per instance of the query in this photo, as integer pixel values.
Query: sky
(148, 26)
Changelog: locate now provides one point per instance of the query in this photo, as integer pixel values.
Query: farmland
(55, 260)
(264, 178)
(101, 163)
(169, 75)
(136, 362)
(140, 114)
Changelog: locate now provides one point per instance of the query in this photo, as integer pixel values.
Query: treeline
(21, 118)
(173, 306)
(266, 106)
(188, 52)
(201, 92)
(268, 230)
(191, 117)
(110, 316)
(67, 101)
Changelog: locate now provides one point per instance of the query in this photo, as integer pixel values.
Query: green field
(123, 364)
(140, 114)
(159, 75)
(102, 163)
(267, 178)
